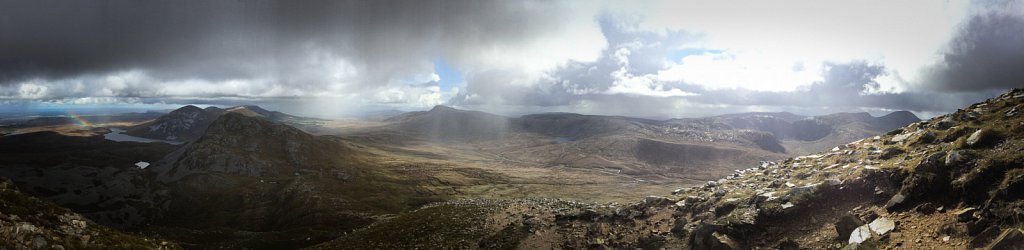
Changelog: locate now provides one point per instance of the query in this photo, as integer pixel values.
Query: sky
(636, 58)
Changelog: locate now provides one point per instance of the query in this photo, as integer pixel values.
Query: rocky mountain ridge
(188, 123)
(183, 124)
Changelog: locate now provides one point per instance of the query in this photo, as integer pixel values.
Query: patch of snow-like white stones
(142, 164)
(879, 227)
(860, 235)
(882, 225)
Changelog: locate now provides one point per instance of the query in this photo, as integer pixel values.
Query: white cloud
(645, 85)
(32, 90)
(747, 70)
(903, 35)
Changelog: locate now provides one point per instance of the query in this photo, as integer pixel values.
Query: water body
(117, 134)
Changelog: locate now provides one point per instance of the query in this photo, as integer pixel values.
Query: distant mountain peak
(188, 108)
(441, 108)
(903, 114)
(189, 122)
(233, 122)
(251, 146)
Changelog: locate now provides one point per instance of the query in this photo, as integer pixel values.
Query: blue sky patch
(678, 55)
(450, 77)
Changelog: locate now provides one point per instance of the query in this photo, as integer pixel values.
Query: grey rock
(882, 226)
(945, 123)
(721, 192)
(39, 242)
(953, 157)
(975, 137)
(890, 152)
(723, 242)
(860, 234)
(927, 137)
(846, 225)
(702, 236)
(656, 200)
(895, 201)
(902, 137)
(803, 189)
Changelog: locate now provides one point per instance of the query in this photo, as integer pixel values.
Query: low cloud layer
(640, 59)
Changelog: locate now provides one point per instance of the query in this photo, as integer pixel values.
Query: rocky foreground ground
(30, 223)
(952, 182)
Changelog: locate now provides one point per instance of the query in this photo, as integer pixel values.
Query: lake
(117, 134)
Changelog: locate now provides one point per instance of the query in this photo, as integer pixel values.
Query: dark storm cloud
(218, 40)
(284, 51)
(58, 38)
(986, 53)
(846, 85)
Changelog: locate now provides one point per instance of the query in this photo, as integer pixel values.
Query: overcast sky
(637, 58)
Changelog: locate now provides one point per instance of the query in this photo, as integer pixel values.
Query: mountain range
(449, 178)
(190, 122)
(695, 148)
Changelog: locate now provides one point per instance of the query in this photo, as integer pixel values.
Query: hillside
(950, 182)
(279, 185)
(95, 177)
(677, 149)
(445, 124)
(29, 223)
